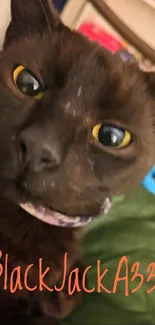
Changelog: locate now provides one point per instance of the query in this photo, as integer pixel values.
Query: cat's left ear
(31, 16)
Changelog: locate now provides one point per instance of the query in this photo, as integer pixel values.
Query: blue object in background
(126, 55)
(60, 4)
(149, 181)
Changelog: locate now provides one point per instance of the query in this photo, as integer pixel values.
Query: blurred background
(120, 25)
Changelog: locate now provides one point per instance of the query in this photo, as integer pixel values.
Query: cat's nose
(38, 152)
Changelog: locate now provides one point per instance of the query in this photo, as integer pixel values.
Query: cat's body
(76, 127)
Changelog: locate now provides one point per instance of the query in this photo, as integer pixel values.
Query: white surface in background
(71, 10)
(150, 3)
(5, 18)
(138, 16)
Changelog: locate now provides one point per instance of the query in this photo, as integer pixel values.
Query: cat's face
(76, 122)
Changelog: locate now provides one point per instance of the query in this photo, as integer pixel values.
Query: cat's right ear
(30, 16)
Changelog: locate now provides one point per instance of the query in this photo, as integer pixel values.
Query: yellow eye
(27, 83)
(111, 136)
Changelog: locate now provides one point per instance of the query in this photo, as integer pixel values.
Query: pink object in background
(98, 34)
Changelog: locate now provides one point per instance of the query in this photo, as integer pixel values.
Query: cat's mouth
(57, 219)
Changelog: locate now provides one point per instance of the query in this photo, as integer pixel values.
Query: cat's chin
(54, 218)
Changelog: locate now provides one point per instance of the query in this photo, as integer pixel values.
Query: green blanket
(127, 231)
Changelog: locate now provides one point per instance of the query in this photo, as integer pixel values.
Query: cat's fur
(85, 85)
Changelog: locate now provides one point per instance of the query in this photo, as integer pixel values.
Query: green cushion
(128, 230)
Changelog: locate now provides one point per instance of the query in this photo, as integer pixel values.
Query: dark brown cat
(76, 128)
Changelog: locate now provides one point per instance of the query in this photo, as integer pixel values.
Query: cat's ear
(29, 16)
(150, 81)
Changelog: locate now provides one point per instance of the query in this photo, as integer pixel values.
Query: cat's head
(76, 122)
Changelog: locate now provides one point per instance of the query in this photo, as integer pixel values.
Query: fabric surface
(128, 230)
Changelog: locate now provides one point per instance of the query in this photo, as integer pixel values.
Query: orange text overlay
(75, 283)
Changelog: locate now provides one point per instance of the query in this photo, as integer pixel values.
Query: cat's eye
(111, 136)
(27, 83)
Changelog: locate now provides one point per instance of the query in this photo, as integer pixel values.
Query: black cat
(76, 128)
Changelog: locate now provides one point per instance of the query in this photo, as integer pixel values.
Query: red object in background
(98, 34)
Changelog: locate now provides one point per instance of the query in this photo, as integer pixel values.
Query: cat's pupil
(111, 136)
(27, 84)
